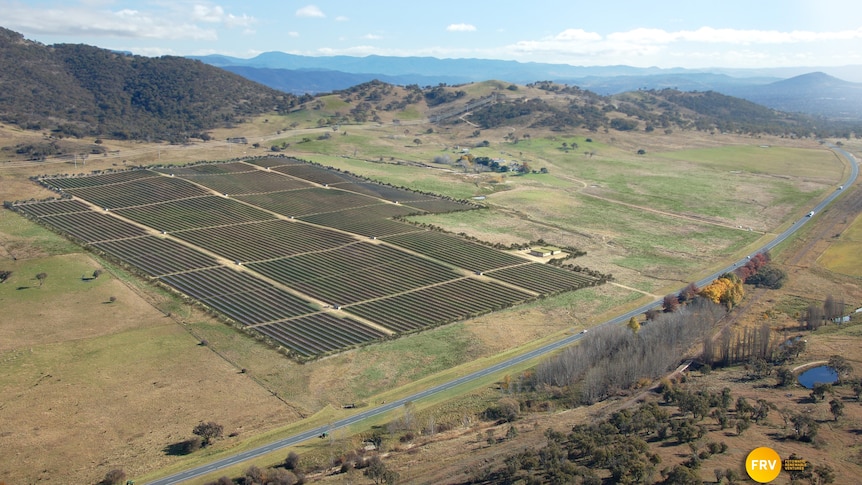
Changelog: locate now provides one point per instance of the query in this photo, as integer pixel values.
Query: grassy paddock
(651, 242)
(108, 373)
(809, 163)
(845, 255)
(432, 405)
(22, 239)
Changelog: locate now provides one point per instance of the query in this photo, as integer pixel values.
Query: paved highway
(547, 349)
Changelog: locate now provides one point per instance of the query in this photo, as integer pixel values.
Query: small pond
(821, 374)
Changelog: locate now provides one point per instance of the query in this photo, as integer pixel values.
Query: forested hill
(560, 108)
(82, 90)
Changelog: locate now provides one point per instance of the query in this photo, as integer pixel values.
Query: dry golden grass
(89, 385)
(845, 255)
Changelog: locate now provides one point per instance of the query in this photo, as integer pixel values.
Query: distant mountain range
(816, 91)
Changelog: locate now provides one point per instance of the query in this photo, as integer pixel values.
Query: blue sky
(691, 33)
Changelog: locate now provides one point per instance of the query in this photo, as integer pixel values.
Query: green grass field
(775, 160)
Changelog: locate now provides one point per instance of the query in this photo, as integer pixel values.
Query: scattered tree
(510, 408)
(208, 431)
(681, 475)
(688, 293)
(804, 427)
(670, 303)
(768, 276)
(4, 275)
(840, 365)
(732, 475)
(292, 461)
(814, 317)
(857, 389)
(41, 277)
(761, 410)
(742, 425)
(825, 474)
(833, 308)
(818, 392)
(784, 377)
(726, 290)
(836, 407)
(379, 472)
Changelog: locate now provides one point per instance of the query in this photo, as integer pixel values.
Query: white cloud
(123, 23)
(293, 34)
(310, 11)
(712, 35)
(372, 37)
(341, 18)
(205, 13)
(217, 15)
(706, 46)
(643, 36)
(461, 28)
(577, 35)
(734, 36)
(175, 22)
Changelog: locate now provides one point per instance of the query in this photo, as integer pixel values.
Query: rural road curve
(544, 350)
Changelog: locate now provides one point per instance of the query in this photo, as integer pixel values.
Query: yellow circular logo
(763, 464)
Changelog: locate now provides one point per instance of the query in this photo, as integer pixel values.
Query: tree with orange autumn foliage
(726, 290)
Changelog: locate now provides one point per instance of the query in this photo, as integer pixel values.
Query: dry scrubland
(100, 385)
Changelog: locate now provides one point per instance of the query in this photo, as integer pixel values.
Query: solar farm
(309, 257)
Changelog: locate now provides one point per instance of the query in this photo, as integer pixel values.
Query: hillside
(79, 90)
(816, 93)
(562, 108)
